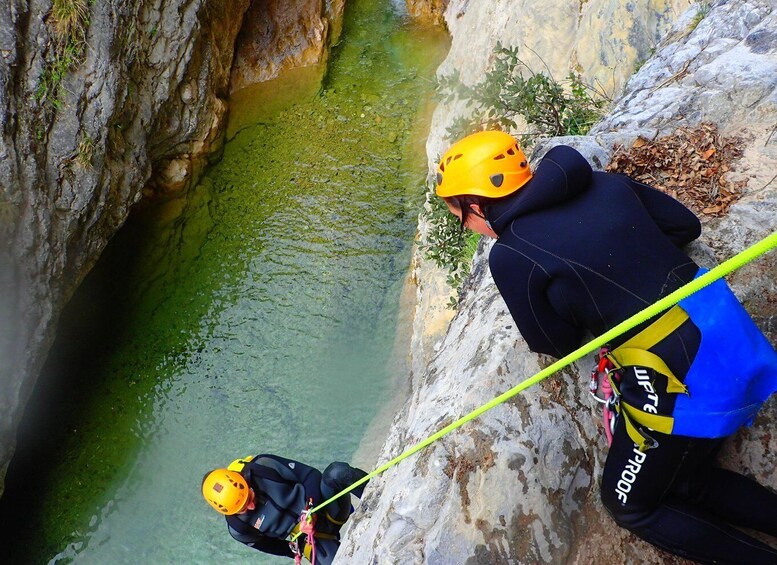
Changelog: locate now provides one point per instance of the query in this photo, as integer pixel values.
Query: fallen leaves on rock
(691, 165)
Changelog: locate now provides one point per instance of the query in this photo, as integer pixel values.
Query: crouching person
(263, 498)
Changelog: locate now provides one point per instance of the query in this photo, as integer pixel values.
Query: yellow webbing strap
(238, 464)
(337, 522)
(631, 357)
(658, 330)
(642, 440)
(630, 414)
(634, 352)
(657, 422)
(756, 250)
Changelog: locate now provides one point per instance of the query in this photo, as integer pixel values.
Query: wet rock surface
(430, 11)
(279, 35)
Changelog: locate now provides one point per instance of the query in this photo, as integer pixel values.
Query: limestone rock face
(520, 483)
(430, 11)
(282, 34)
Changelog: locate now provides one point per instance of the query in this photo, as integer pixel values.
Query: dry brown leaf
(688, 164)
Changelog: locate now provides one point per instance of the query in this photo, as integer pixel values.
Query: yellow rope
(732, 264)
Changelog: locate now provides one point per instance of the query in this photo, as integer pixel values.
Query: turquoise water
(258, 314)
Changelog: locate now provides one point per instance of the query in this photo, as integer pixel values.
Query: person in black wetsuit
(262, 498)
(579, 251)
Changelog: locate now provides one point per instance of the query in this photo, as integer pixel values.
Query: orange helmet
(487, 163)
(225, 490)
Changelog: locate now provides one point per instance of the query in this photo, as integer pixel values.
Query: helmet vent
(497, 180)
(523, 163)
(510, 151)
(448, 160)
(499, 157)
(458, 156)
(442, 166)
(439, 178)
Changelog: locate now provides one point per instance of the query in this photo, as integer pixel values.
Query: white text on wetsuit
(634, 464)
(643, 378)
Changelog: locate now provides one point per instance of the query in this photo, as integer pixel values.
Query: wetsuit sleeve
(523, 286)
(676, 221)
(254, 539)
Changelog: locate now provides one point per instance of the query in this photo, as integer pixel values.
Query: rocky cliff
(431, 11)
(101, 103)
(520, 484)
(277, 36)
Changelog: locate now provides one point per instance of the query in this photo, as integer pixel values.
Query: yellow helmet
(225, 490)
(487, 163)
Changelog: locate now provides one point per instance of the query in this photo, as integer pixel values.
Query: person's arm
(251, 537)
(523, 286)
(676, 221)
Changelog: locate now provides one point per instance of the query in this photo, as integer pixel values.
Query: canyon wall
(103, 104)
(278, 36)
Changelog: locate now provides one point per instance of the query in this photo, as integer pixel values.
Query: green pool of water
(258, 314)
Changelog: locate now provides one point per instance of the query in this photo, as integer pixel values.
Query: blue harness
(734, 371)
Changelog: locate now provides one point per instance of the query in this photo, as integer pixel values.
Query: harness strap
(658, 330)
(633, 416)
(634, 352)
(336, 522)
(643, 440)
(632, 357)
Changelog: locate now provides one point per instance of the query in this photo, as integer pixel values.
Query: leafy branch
(511, 90)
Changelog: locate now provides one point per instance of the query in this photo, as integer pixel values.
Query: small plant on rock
(85, 151)
(69, 20)
(446, 244)
(511, 90)
(702, 11)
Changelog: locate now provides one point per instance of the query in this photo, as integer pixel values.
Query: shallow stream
(258, 314)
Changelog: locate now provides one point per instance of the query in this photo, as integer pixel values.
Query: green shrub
(702, 12)
(447, 244)
(512, 89)
(64, 61)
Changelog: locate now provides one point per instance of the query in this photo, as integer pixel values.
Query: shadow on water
(259, 313)
(80, 390)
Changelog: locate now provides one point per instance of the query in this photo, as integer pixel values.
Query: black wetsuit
(580, 251)
(283, 488)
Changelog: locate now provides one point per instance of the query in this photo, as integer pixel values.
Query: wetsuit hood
(561, 175)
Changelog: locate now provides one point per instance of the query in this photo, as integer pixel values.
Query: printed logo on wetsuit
(643, 379)
(629, 475)
(258, 523)
(291, 465)
(634, 464)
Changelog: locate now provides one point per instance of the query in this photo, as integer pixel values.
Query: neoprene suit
(282, 488)
(579, 251)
